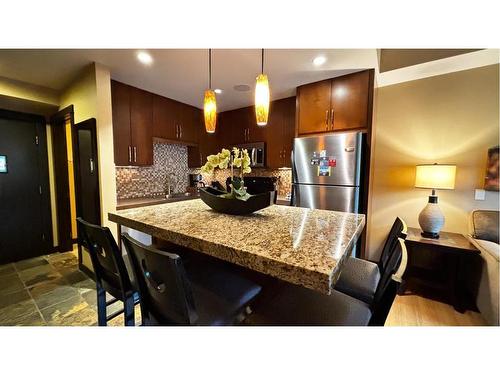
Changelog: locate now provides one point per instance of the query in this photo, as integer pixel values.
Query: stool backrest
(399, 229)
(109, 267)
(165, 290)
(389, 283)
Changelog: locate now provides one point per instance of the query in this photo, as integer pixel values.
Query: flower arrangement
(237, 160)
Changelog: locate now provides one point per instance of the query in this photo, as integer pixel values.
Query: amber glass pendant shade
(262, 99)
(210, 111)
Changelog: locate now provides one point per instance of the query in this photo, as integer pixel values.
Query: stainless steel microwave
(257, 152)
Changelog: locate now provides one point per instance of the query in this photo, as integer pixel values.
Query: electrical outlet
(479, 194)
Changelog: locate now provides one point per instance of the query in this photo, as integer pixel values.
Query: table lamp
(433, 176)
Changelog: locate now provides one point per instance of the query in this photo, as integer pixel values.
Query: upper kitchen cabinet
(166, 116)
(132, 125)
(175, 121)
(190, 124)
(141, 126)
(280, 133)
(341, 103)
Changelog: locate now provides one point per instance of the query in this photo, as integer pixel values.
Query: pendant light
(209, 103)
(262, 96)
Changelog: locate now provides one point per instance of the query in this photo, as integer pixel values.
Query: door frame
(61, 161)
(89, 124)
(43, 171)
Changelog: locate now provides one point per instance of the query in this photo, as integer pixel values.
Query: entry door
(86, 172)
(25, 229)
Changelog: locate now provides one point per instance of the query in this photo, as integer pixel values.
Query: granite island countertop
(299, 245)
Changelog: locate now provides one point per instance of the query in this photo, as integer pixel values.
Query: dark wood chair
(359, 277)
(110, 272)
(294, 305)
(199, 294)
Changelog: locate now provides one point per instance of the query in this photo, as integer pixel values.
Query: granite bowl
(212, 198)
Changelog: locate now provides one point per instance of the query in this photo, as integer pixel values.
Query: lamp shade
(210, 111)
(435, 176)
(262, 99)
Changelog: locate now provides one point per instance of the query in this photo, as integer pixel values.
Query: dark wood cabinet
(175, 121)
(338, 104)
(132, 125)
(165, 118)
(141, 126)
(280, 133)
(120, 101)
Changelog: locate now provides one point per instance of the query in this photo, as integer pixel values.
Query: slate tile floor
(50, 290)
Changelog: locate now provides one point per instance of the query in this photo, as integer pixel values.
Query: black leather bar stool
(294, 305)
(359, 277)
(202, 294)
(110, 272)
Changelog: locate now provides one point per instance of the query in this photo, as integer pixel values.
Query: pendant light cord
(210, 68)
(262, 63)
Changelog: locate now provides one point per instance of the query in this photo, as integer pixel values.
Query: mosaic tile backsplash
(171, 160)
(168, 160)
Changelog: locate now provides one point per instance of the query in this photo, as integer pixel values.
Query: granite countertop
(299, 245)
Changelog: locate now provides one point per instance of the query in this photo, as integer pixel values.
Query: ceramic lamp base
(431, 219)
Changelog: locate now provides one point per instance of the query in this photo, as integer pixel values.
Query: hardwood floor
(414, 310)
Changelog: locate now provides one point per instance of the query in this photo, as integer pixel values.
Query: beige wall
(451, 118)
(90, 94)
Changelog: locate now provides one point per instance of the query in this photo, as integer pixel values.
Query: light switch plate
(479, 194)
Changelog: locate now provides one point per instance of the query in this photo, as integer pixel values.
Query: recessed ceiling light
(242, 88)
(319, 60)
(144, 57)
(218, 91)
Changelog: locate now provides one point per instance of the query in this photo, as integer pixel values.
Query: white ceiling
(182, 74)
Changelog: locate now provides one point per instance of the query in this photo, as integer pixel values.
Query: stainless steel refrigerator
(326, 171)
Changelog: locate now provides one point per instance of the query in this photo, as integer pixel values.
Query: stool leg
(101, 307)
(129, 312)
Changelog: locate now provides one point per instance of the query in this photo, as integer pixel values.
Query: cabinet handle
(135, 154)
(332, 119)
(326, 119)
(176, 130)
(130, 154)
(180, 130)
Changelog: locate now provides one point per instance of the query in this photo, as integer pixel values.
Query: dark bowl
(212, 197)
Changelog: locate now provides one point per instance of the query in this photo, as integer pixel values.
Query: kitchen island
(302, 246)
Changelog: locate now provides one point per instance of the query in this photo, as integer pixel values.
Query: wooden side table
(452, 253)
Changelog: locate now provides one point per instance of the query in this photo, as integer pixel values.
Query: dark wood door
(226, 133)
(120, 101)
(141, 126)
(349, 101)
(314, 105)
(25, 229)
(164, 117)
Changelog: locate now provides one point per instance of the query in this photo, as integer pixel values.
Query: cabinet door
(314, 105)
(274, 136)
(190, 123)
(350, 101)
(120, 101)
(141, 126)
(225, 132)
(164, 118)
(255, 133)
(288, 121)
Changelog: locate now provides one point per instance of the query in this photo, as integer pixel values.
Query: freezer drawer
(339, 154)
(335, 198)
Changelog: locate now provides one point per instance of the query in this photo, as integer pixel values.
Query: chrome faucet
(168, 184)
